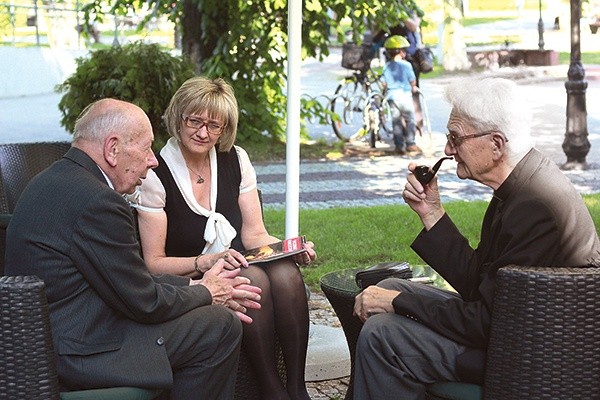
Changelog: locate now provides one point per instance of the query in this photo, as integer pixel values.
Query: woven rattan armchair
(28, 369)
(19, 162)
(544, 336)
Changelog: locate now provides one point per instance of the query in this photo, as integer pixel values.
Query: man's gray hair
(494, 104)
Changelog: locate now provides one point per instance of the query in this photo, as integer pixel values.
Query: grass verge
(359, 237)
(586, 58)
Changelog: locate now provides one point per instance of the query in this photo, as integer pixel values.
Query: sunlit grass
(483, 20)
(359, 237)
(586, 58)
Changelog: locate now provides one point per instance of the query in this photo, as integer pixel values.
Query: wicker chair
(543, 340)
(28, 368)
(19, 162)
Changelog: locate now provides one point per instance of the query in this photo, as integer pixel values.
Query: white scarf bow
(218, 233)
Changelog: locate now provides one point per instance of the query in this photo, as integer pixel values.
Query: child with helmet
(400, 83)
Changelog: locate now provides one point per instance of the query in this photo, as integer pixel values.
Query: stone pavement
(321, 313)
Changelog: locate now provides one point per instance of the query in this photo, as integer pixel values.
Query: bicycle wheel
(347, 107)
(386, 127)
(373, 123)
(371, 118)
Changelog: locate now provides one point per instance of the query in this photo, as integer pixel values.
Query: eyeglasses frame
(456, 140)
(204, 124)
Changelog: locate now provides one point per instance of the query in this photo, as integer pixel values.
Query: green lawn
(505, 5)
(586, 58)
(359, 237)
(483, 20)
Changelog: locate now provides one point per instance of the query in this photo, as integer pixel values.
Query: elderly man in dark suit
(113, 323)
(414, 334)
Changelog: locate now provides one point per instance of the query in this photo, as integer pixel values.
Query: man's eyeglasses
(455, 140)
(196, 123)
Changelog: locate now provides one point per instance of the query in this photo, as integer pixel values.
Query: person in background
(414, 334)
(400, 84)
(409, 28)
(201, 204)
(113, 323)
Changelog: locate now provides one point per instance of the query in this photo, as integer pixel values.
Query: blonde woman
(201, 204)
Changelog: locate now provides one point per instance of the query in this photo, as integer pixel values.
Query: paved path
(374, 178)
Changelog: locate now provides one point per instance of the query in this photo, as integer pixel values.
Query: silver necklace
(200, 178)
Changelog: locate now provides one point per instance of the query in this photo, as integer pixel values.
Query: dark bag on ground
(424, 57)
(381, 271)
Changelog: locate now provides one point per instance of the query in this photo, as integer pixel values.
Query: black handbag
(424, 57)
(378, 272)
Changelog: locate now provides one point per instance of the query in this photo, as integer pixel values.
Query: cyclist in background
(400, 84)
(409, 29)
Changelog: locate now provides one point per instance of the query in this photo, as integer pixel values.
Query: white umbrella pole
(292, 193)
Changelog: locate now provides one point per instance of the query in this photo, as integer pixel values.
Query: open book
(275, 251)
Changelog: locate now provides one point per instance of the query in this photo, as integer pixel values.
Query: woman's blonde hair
(198, 95)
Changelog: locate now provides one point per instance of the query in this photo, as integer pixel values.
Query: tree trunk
(197, 43)
(191, 33)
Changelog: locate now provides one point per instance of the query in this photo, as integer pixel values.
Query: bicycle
(371, 116)
(348, 106)
(360, 109)
(382, 106)
(378, 118)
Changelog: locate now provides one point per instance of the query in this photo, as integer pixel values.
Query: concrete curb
(328, 356)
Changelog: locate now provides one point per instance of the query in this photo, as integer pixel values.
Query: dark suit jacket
(78, 235)
(536, 218)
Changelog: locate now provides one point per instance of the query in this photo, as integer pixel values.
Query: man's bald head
(118, 136)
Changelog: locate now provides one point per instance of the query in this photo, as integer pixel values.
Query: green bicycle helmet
(396, 42)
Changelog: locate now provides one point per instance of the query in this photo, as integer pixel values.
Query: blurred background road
(369, 179)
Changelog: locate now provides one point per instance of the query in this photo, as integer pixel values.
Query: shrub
(142, 74)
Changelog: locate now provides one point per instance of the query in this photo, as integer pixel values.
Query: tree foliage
(245, 42)
(143, 74)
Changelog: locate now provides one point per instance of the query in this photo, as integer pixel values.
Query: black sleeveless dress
(185, 228)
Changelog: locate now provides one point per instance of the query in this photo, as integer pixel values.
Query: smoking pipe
(425, 174)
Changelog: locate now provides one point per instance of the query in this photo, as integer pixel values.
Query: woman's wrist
(197, 264)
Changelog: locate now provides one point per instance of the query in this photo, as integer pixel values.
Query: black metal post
(37, 23)
(541, 29)
(576, 144)
(115, 42)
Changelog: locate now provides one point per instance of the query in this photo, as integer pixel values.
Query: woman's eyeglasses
(196, 123)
